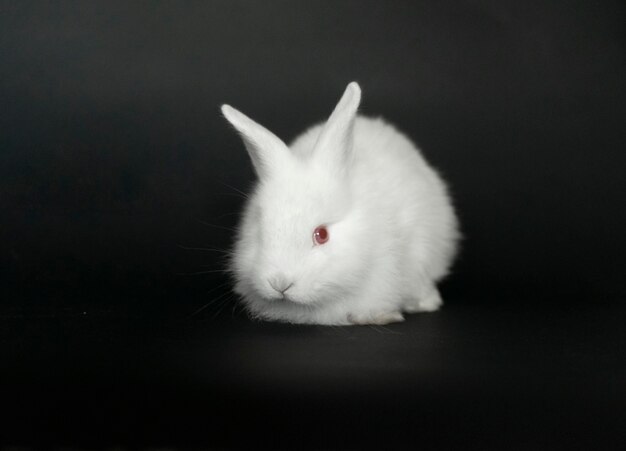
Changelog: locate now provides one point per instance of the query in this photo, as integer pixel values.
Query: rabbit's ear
(334, 143)
(266, 150)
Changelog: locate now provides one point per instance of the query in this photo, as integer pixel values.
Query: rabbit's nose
(280, 283)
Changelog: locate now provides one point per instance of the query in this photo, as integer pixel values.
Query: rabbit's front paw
(378, 318)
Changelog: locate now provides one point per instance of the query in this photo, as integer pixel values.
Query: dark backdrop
(113, 153)
(113, 147)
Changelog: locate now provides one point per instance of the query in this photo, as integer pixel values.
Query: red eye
(320, 235)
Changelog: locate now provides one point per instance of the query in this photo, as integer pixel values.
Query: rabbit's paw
(426, 303)
(377, 318)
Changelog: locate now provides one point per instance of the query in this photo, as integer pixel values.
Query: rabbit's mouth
(281, 298)
(290, 299)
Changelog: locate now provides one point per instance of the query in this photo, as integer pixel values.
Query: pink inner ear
(320, 235)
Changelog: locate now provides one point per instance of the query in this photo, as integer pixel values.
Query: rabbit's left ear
(267, 151)
(335, 141)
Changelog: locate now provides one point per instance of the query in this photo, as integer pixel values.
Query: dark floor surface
(520, 372)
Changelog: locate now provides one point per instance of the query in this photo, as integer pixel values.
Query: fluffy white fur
(393, 231)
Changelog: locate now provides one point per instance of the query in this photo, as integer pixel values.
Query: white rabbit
(348, 225)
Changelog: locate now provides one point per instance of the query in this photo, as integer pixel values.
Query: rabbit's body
(392, 229)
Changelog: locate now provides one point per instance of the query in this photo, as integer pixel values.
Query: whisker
(223, 304)
(228, 214)
(208, 249)
(238, 196)
(232, 313)
(238, 307)
(230, 229)
(197, 273)
(212, 264)
(221, 296)
(221, 285)
(371, 326)
(246, 196)
(386, 329)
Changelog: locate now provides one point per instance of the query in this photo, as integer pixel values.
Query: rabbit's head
(301, 240)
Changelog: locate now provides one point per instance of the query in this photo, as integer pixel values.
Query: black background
(115, 158)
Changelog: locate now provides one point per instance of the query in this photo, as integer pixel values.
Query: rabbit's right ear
(267, 151)
(334, 144)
